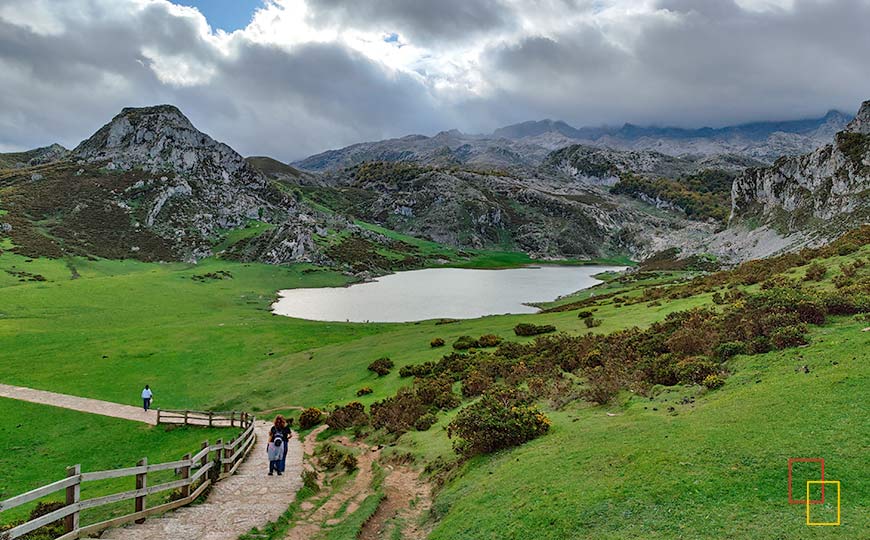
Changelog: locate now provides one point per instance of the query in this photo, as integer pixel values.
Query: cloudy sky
(289, 78)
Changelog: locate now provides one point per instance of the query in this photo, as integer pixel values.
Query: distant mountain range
(149, 185)
(528, 143)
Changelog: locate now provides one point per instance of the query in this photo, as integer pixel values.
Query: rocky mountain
(764, 141)
(528, 144)
(448, 148)
(29, 158)
(545, 215)
(604, 166)
(805, 199)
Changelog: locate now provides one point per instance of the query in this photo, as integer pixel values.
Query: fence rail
(197, 472)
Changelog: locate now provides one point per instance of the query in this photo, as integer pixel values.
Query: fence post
(73, 495)
(210, 413)
(233, 419)
(217, 468)
(185, 473)
(158, 416)
(227, 453)
(141, 483)
(186, 412)
(204, 459)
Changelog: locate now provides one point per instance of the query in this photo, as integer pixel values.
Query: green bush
(789, 336)
(591, 322)
(713, 381)
(815, 272)
(425, 422)
(502, 418)
(349, 463)
(329, 456)
(310, 417)
(437, 342)
(465, 343)
(364, 391)
(417, 370)
(398, 413)
(437, 392)
(381, 366)
(584, 314)
(350, 415)
(309, 480)
(488, 340)
(730, 349)
(695, 370)
(475, 383)
(527, 329)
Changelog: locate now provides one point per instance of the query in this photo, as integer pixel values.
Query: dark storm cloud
(690, 63)
(427, 21)
(67, 67)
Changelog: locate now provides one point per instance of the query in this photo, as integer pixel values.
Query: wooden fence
(219, 459)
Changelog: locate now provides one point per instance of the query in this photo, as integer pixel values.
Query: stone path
(247, 499)
(236, 504)
(93, 406)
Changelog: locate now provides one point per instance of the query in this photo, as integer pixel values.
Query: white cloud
(306, 75)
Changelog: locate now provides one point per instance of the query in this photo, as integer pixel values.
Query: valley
(153, 253)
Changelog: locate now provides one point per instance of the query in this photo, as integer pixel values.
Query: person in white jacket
(146, 398)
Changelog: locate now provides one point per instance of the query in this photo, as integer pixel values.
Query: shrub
(364, 391)
(352, 414)
(328, 456)
(309, 480)
(591, 322)
(437, 342)
(584, 314)
(475, 383)
(694, 370)
(729, 349)
(417, 370)
(425, 422)
(465, 343)
(789, 336)
(846, 248)
(381, 366)
(397, 414)
(310, 417)
(713, 381)
(602, 385)
(815, 272)
(349, 463)
(437, 392)
(527, 329)
(502, 418)
(489, 340)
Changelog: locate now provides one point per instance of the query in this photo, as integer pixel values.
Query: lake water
(436, 293)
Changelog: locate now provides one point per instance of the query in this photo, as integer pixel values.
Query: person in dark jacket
(281, 430)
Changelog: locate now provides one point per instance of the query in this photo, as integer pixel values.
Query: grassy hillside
(713, 466)
(686, 464)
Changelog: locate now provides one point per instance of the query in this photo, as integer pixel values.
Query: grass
(40, 442)
(712, 469)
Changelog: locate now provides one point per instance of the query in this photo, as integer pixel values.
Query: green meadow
(686, 463)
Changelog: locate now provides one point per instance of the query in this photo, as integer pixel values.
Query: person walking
(146, 398)
(280, 430)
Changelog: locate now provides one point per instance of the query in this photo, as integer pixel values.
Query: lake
(436, 293)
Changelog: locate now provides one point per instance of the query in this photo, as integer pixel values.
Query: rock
(35, 177)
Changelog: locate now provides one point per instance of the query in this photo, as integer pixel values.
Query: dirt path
(247, 499)
(406, 498)
(93, 406)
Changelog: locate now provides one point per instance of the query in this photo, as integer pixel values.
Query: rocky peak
(161, 138)
(861, 122)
